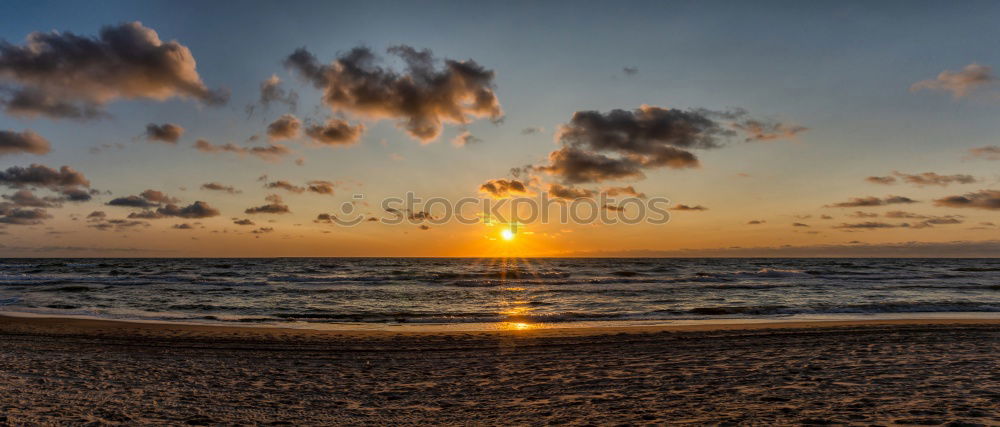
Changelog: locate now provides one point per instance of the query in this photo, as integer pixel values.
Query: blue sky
(841, 69)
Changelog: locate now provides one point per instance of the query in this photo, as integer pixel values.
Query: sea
(388, 292)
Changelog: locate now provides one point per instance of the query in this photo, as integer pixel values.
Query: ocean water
(314, 291)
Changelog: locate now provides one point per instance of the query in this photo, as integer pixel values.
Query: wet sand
(925, 372)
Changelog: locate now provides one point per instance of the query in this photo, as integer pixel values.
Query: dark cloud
(931, 178)
(335, 132)
(856, 202)
(97, 214)
(982, 199)
(630, 71)
(799, 224)
(167, 132)
(12, 214)
(195, 210)
(263, 230)
(324, 218)
(757, 130)
(321, 187)
(12, 142)
(568, 193)
(756, 222)
(215, 186)
(132, 202)
(271, 92)
(27, 199)
(870, 225)
(270, 153)
(683, 207)
(885, 180)
(989, 152)
(621, 144)
(424, 227)
(532, 130)
(244, 221)
(613, 208)
(147, 199)
(422, 98)
(77, 194)
(64, 75)
(183, 226)
(274, 206)
(285, 185)
(626, 191)
(500, 188)
(42, 176)
(959, 83)
(285, 127)
(574, 165)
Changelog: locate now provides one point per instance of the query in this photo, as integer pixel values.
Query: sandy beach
(923, 372)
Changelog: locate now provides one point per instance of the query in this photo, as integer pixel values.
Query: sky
(260, 128)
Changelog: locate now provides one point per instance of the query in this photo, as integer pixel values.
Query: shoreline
(30, 323)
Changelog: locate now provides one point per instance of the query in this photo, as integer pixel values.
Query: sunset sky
(229, 129)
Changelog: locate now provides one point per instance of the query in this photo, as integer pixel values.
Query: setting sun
(507, 234)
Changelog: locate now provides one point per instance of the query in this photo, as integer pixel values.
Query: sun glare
(507, 234)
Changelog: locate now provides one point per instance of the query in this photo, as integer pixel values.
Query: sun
(507, 234)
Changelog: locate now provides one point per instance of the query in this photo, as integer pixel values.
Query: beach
(917, 371)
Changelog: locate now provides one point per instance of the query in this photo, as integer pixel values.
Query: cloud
(195, 210)
(884, 180)
(860, 214)
(263, 230)
(756, 222)
(982, 199)
(630, 71)
(14, 215)
(613, 208)
(856, 202)
(132, 202)
(119, 224)
(568, 193)
(12, 142)
(64, 75)
(274, 206)
(959, 83)
(989, 152)
(500, 188)
(167, 132)
(799, 224)
(147, 199)
(215, 186)
(904, 214)
(320, 187)
(870, 225)
(244, 221)
(465, 138)
(683, 207)
(532, 130)
(285, 127)
(271, 92)
(574, 165)
(757, 130)
(923, 179)
(42, 176)
(285, 185)
(627, 191)
(270, 152)
(421, 99)
(183, 226)
(335, 132)
(27, 199)
(647, 137)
